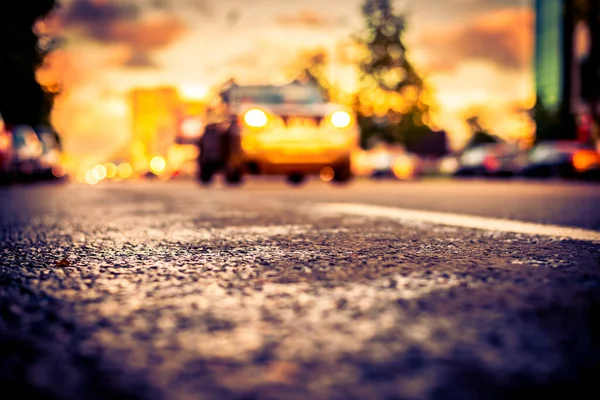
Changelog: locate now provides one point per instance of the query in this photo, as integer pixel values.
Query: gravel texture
(170, 291)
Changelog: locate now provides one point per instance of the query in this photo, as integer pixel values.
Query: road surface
(375, 290)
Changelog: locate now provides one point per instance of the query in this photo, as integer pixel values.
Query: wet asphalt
(155, 290)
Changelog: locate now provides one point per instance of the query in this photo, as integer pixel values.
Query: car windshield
(289, 94)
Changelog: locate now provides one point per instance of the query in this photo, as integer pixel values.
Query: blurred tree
(393, 101)
(22, 99)
(313, 70)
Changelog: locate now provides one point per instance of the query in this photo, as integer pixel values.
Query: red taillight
(584, 160)
(491, 163)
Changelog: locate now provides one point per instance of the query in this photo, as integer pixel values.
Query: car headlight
(255, 118)
(341, 119)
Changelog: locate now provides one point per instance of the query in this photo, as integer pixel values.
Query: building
(563, 44)
(154, 123)
(549, 53)
(164, 125)
(553, 70)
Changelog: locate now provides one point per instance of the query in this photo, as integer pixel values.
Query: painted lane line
(459, 220)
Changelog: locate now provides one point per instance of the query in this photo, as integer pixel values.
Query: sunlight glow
(193, 92)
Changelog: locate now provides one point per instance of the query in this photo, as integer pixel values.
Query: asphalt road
(173, 291)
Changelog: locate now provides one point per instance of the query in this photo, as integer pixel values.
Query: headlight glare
(255, 118)
(341, 119)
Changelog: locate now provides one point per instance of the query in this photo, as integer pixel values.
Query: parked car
(562, 159)
(448, 165)
(392, 161)
(277, 130)
(381, 159)
(26, 152)
(51, 152)
(6, 152)
(490, 160)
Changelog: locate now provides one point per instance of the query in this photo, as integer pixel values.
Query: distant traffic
(293, 132)
(29, 154)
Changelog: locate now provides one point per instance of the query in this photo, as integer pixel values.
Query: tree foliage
(393, 104)
(22, 99)
(386, 64)
(313, 71)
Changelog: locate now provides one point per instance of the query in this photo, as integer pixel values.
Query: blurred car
(277, 130)
(26, 152)
(448, 165)
(392, 161)
(51, 152)
(5, 154)
(490, 160)
(562, 159)
(381, 160)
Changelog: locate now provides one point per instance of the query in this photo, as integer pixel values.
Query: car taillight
(491, 163)
(584, 160)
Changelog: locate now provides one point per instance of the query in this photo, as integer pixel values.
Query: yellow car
(278, 130)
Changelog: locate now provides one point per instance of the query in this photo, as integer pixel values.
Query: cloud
(308, 19)
(202, 6)
(502, 37)
(233, 16)
(254, 65)
(139, 59)
(98, 13)
(147, 34)
(125, 24)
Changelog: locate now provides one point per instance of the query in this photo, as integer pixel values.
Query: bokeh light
(403, 168)
(327, 174)
(90, 179)
(111, 170)
(99, 172)
(256, 118)
(158, 164)
(58, 171)
(341, 119)
(124, 170)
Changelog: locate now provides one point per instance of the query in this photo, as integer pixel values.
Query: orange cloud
(123, 24)
(502, 37)
(308, 19)
(147, 34)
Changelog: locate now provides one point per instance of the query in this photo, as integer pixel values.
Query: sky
(475, 54)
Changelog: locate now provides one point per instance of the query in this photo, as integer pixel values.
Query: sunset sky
(476, 54)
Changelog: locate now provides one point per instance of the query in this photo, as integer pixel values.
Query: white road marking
(460, 220)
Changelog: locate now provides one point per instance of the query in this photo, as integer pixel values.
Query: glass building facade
(549, 53)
